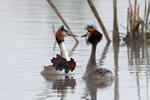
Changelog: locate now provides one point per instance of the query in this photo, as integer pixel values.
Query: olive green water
(26, 44)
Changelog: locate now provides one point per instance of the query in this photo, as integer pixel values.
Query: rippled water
(26, 44)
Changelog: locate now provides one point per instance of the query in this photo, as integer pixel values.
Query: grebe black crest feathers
(63, 28)
(94, 36)
(89, 26)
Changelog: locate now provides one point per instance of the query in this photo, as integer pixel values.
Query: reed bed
(147, 16)
(136, 26)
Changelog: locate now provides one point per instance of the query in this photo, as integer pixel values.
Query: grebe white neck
(63, 51)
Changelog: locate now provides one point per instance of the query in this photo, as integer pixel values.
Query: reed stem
(115, 26)
(61, 18)
(92, 6)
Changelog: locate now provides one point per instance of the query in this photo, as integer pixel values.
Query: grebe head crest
(93, 35)
(90, 26)
(61, 33)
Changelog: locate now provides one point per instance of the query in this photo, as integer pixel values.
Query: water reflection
(93, 85)
(106, 48)
(91, 89)
(116, 57)
(135, 53)
(27, 43)
(59, 83)
(138, 56)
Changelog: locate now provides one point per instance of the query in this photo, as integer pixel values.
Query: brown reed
(93, 8)
(61, 18)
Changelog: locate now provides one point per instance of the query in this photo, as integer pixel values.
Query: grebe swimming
(92, 71)
(62, 61)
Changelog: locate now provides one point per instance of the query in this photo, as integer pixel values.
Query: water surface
(26, 44)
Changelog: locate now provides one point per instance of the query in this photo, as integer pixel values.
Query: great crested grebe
(92, 71)
(62, 61)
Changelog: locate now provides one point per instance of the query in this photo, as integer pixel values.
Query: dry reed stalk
(142, 26)
(115, 26)
(130, 6)
(138, 19)
(131, 15)
(61, 18)
(135, 13)
(128, 21)
(131, 22)
(53, 28)
(92, 6)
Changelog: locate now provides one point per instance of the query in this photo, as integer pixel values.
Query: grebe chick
(62, 61)
(98, 75)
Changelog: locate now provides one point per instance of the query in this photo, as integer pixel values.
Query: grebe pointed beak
(71, 35)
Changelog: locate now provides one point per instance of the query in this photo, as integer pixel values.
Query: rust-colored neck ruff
(59, 35)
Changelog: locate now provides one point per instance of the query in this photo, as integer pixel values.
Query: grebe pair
(67, 63)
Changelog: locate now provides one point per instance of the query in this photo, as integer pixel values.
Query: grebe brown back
(97, 75)
(62, 61)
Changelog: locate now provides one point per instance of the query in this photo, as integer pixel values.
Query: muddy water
(26, 44)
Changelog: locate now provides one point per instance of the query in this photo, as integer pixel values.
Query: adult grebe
(63, 61)
(92, 72)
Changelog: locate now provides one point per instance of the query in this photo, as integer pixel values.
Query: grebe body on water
(63, 61)
(92, 71)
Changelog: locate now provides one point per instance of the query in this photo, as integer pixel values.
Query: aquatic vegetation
(136, 26)
(146, 16)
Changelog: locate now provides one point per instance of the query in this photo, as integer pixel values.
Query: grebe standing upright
(62, 61)
(92, 71)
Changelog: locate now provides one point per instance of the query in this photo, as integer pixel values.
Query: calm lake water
(27, 43)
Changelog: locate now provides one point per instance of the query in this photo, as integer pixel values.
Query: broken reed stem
(92, 6)
(147, 14)
(138, 19)
(142, 27)
(135, 12)
(130, 6)
(128, 20)
(115, 26)
(129, 23)
(131, 16)
(61, 18)
(135, 25)
(131, 20)
(53, 28)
